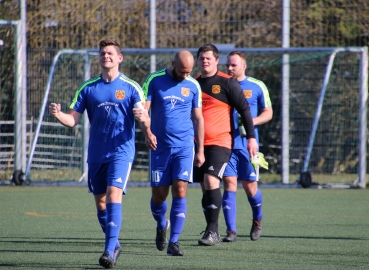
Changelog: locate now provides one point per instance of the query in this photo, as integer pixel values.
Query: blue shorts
(102, 175)
(239, 165)
(168, 164)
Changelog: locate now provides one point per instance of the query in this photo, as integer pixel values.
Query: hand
(150, 141)
(252, 146)
(140, 114)
(199, 159)
(54, 109)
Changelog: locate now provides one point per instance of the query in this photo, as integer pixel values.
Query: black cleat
(161, 237)
(255, 230)
(117, 252)
(210, 239)
(231, 237)
(174, 250)
(106, 261)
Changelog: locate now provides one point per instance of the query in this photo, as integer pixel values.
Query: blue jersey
(257, 95)
(172, 102)
(109, 108)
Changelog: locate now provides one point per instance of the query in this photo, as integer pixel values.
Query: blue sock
(158, 212)
(112, 230)
(177, 218)
(102, 216)
(256, 204)
(230, 209)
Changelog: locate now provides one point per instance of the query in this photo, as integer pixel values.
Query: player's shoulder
(193, 81)
(126, 79)
(90, 83)
(223, 75)
(255, 81)
(156, 74)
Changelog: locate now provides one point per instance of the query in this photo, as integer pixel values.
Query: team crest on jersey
(185, 91)
(215, 89)
(247, 93)
(120, 94)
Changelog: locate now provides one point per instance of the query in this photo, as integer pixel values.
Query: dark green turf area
(57, 228)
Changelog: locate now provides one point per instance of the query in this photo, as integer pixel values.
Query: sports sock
(230, 209)
(203, 204)
(177, 218)
(112, 230)
(158, 212)
(213, 205)
(102, 217)
(256, 205)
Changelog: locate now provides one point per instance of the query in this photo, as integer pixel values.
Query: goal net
(333, 154)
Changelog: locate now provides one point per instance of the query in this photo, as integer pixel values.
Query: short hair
(110, 42)
(208, 48)
(240, 54)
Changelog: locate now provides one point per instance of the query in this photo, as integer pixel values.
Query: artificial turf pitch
(57, 228)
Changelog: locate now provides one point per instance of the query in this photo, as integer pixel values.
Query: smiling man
(113, 102)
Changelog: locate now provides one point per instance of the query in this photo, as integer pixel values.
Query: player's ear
(120, 57)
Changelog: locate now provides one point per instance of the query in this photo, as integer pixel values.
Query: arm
(198, 124)
(264, 117)
(68, 120)
(142, 116)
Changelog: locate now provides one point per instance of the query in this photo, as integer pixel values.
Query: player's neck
(241, 78)
(110, 75)
(207, 75)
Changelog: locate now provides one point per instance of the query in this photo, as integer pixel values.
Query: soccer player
(220, 94)
(174, 98)
(113, 102)
(239, 164)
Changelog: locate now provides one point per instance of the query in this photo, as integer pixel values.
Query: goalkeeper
(239, 164)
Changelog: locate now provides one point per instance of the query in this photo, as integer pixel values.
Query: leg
(216, 159)
(230, 207)
(178, 210)
(212, 203)
(255, 199)
(177, 216)
(159, 207)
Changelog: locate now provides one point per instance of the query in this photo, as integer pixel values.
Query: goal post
(328, 109)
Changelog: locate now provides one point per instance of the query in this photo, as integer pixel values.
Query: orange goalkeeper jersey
(220, 93)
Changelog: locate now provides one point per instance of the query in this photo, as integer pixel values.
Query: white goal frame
(363, 88)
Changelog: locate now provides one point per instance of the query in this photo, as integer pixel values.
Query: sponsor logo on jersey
(215, 89)
(120, 94)
(185, 92)
(247, 93)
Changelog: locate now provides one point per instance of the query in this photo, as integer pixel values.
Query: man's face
(181, 71)
(236, 66)
(207, 63)
(109, 58)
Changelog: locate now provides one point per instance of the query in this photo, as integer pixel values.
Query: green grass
(57, 228)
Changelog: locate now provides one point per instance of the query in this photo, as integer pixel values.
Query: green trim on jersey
(135, 86)
(268, 102)
(145, 86)
(191, 79)
(74, 101)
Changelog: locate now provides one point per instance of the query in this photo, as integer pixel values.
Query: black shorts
(216, 159)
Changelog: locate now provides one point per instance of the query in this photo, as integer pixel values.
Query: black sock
(212, 209)
(203, 203)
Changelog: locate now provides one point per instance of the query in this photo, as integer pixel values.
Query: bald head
(182, 65)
